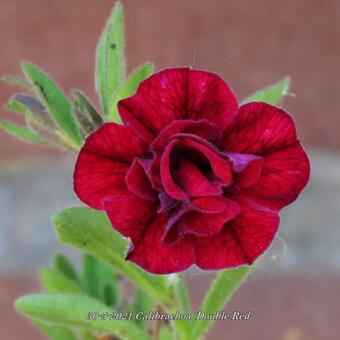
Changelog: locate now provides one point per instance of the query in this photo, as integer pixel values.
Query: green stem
(219, 293)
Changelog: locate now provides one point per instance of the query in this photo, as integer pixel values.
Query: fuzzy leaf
(72, 310)
(63, 264)
(142, 303)
(55, 281)
(90, 275)
(90, 231)
(110, 60)
(17, 81)
(55, 332)
(221, 290)
(272, 94)
(15, 106)
(129, 88)
(54, 100)
(87, 108)
(21, 132)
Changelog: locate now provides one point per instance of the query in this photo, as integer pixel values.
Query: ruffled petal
(203, 224)
(103, 162)
(259, 129)
(203, 216)
(240, 241)
(246, 170)
(221, 168)
(178, 93)
(129, 214)
(156, 257)
(265, 130)
(202, 128)
(171, 188)
(193, 182)
(284, 174)
(138, 182)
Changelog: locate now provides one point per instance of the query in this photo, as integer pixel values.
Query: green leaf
(142, 303)
(54, 100)
(109, 294)
(14, 105)
(54, 281)
(181, 293)
(90, 231)
(21, 132)
(129, 88)
(221, 290)
(87, 108)
(63, 264)
(272, 94)
(55, 332)
(110, 60)
(72, 310)
(17, 81)
(90, 275)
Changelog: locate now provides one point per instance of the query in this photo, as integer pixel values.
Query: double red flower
(190, 177)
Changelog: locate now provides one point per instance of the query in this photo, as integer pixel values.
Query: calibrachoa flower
(191, 178)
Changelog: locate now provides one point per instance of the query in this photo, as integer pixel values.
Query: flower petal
(202, 128)
(220, 166)
(171, 188)
(103, 162)
(246, 170)
(265, 130)
(156, 257)
(129, 214)
(193, 182)
(138, 182)
(203, 224)
(240, 241)
(178, 93)
(284, 174)
(259, 129)
(203, 216)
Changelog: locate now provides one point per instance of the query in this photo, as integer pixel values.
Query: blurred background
(294, 288)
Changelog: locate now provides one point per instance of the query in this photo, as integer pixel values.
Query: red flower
(190, 177)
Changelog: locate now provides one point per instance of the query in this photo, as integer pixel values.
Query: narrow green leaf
(109, 290)
(21, 132)
(129, 88)
(64, 265)
(90, 275)
(272, 94)
(72, 310)
(181, 293)
(54, 281)
(35, 110)
(142, 303)
(17, 81)
(53, 99)
(109, 294)
(221, 290)
(54, 332)
(84, 124)
(110, 60)
(15, 106)
(87, 108)
(90, 231)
